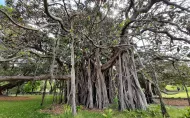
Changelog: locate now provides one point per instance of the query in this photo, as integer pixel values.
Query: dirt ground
(14, 98)
(54, 109)
(175, 102)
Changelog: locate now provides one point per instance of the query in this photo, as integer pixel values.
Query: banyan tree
(96, 40)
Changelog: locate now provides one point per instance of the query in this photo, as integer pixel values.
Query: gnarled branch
(54, 17)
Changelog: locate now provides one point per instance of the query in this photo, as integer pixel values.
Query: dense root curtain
(101, 90)
(130, 94)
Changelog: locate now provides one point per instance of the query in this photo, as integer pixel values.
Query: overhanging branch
(41, 77)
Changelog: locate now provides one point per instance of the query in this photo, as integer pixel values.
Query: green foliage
(170, 74)
(67, 110)
(108, 113)
(187, 114)
(172, 7)
(115, 42)
(122, 24)
(79, 108)
(1, 6)
(35, 85)
(9, 10)
(22, 53)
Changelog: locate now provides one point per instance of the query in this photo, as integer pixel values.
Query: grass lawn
(24, 109)
(30, 109)
(181, 94)
(173, 87)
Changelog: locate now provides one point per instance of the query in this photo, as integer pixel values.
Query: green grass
(30, 109)
(153, 111)
(181, 94)
(81, 114)
(173, 87)
(24, 109)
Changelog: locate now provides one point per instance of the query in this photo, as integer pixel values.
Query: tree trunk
(110, 81)
(133, 95)
(44, 92)
(101, 90)
(55, 91)
(61, 92)
(1, 92)
(148, 89)
(89, 86)
(163, 107)
(120, 87)
(68, 93)
(73, 90)
(18, 90)
(148, 92)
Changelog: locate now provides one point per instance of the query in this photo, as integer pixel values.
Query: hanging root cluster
(97, 87)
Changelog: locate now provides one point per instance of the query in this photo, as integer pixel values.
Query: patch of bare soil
(13, 98)
(54, 109)
(175, 102)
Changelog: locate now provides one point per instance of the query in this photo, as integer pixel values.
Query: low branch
(41, 77)
(9, 59)
(111, 61)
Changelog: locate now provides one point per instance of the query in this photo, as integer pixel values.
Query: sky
(2, 2)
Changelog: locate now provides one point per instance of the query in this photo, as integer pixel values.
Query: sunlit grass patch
(24, 109)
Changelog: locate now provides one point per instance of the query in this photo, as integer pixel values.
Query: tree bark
(90, 86)
(133, 95)
(120, 87)
(1, 92)
(44, 92)
(148, 89)
(163, 107)
(73, 90)
(101, 90)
